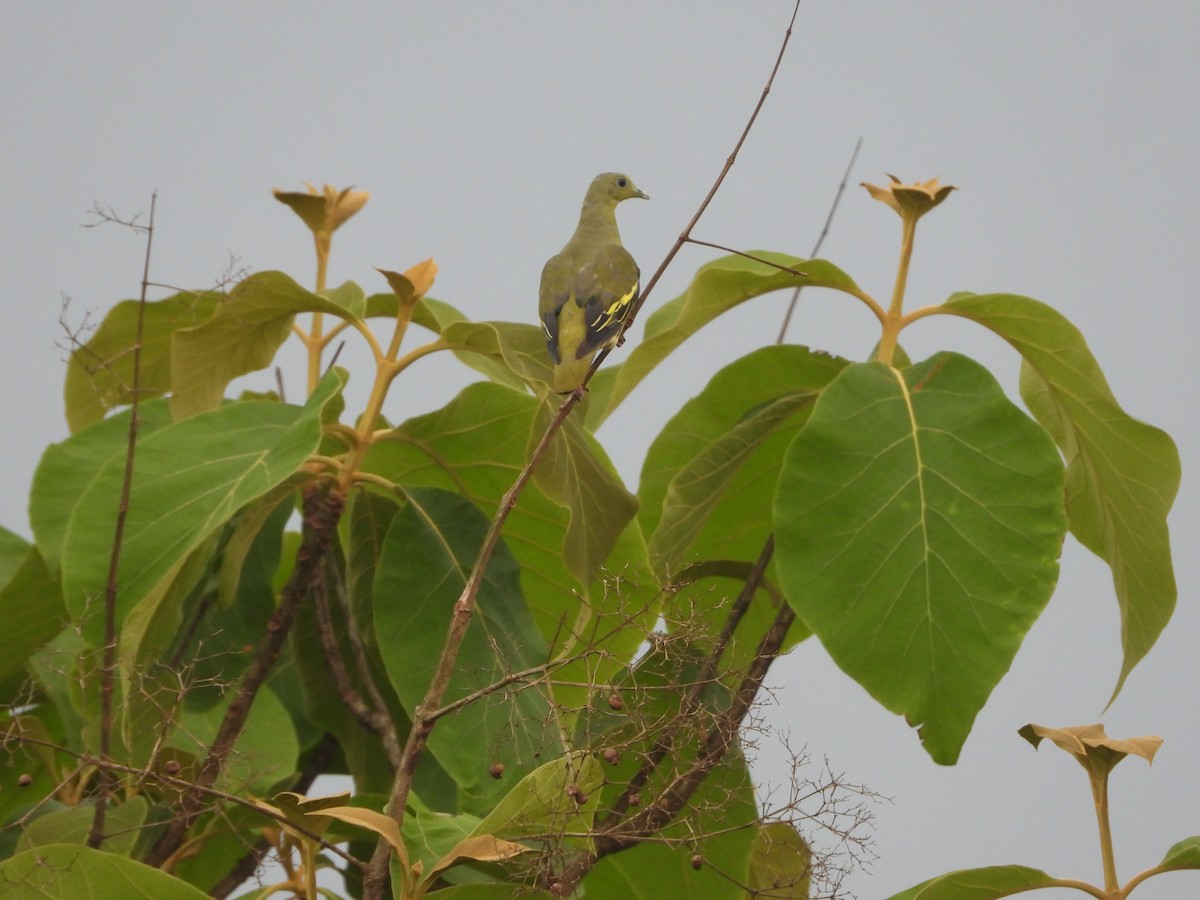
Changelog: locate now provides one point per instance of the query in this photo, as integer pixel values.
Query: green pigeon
(591, 286)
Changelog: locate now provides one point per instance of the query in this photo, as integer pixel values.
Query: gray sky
(1071, 129)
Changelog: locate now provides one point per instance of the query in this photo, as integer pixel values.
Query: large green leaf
(427, 556)
(265, 753)
(919, 519)
(31, 606)
(578, 475)
(509, 353)
(979, 884)
(710, 473)
(66, 870)
(717, 287)
(494, 346)
(68, 467)
(242, 336)
(100, 372)
(189, 479)
(1122, 474)
(123, 823)
(690, 484)
(368, 516)
(477, 445)
(324, 708)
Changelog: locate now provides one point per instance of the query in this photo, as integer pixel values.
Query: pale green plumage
(589, 288)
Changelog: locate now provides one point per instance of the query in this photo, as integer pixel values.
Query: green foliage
(1122, 474)
(919, 519)
(423, 566)
(64, 870)
(535, 676)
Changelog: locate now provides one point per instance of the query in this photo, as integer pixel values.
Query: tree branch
(321, 514)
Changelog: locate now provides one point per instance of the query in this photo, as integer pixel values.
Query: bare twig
(837, 198)
(375, 883)
(184, 785)
(109, 663)
(675, 796)
(750, 256)
(691, 699)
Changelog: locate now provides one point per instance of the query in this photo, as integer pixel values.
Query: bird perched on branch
(591, 286)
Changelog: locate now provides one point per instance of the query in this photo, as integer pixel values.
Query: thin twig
(375, 883)
(183, 785)
(109, 664)
(750, 256)
(837, 198)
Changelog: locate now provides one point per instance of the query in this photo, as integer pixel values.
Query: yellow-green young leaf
(979, 884)
(717, 287)
(780, 863)
(919, 519)
(1122, 474)
(189, 479)
(350, 297)
(426, 558)
(546, 801)
(413, 284)
(1184, 855)
(478, 848)
(242, 336)
(66, 870)
(430, 835)
(100, 373)
(305, 811)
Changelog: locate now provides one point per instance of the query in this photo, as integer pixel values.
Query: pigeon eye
(621, 182)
